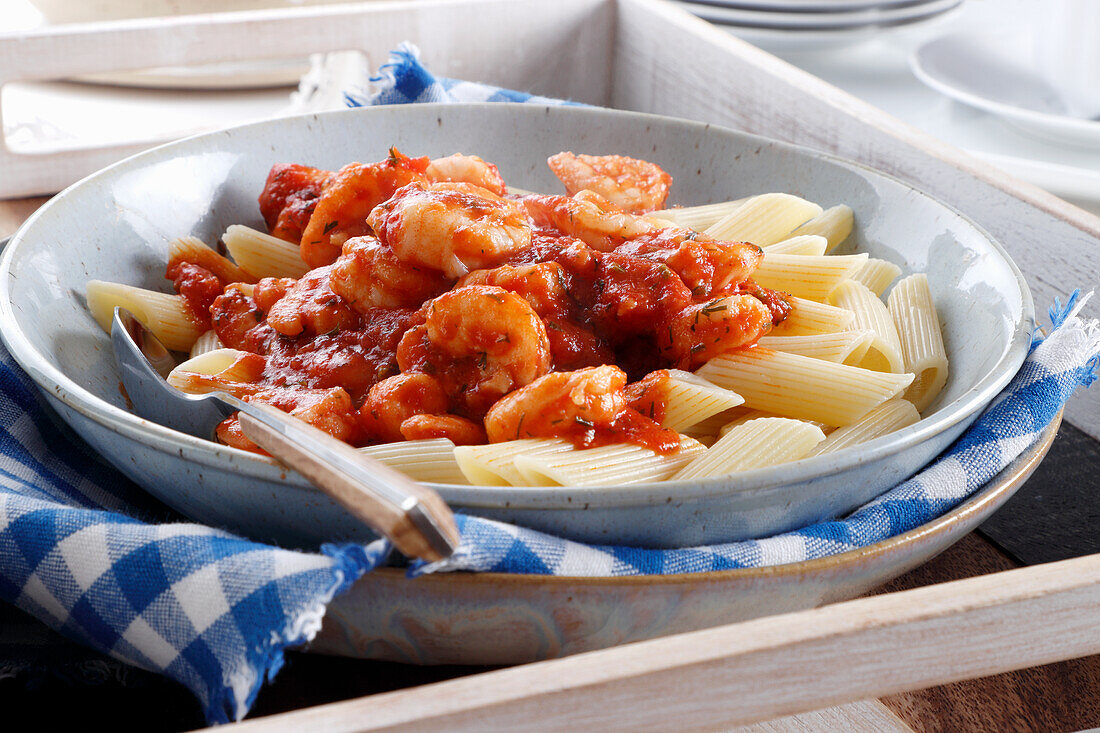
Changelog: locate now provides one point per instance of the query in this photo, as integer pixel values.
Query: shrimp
(289, 197)
(451, 227)
(342, 209)
(329, 410)
(635, 186)
(394, 400)
(556, 404)
(705, 330)
(239, 322)
(589, 218)
(480, 342)
(369, 275)
(311, 307)
(458, 430)
(707, 266)
(466, 169)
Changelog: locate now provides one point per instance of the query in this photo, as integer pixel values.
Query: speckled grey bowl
(116, 225)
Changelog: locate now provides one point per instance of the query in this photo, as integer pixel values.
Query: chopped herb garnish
(714, 306)
(586, 423)
(520, 424)
(553, 326)
(394, 156)
(330, 226)
(483, 360)
(616, 267)
(697, 348)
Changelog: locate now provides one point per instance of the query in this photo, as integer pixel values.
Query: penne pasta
(805, 244)
(263, 255)
(756, 443)
(884, 353)
(809, 317)
(891, 415)
(195, 251)
(495, 464)
(843, 347)
(835, 224)
(918, 327)
(209, 341)
(764, 219)
(698, 218)
(689, 400)
(610, 464)
(877, 275)
(806, 276)
(708, 431)
(757, 414)
(227, 370)
(803, 388)
(167, 316)
(423, 460)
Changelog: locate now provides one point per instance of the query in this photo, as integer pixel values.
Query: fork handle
(411, 515)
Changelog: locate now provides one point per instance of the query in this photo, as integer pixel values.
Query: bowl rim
(762, 481)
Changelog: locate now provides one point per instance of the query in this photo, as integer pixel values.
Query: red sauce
(646, 305)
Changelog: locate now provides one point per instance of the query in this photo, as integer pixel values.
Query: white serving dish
(116, 224)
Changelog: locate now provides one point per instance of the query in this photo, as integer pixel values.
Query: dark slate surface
(1056, 514)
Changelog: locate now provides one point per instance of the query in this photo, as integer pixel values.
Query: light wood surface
(762, 669)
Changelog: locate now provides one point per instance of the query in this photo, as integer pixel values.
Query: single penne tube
(804, 244)
(495, 464)
(607, 465)
(209, 341)
(696, 217)
(166, 315)
(430, 460)
(688, 399)
(263, 255)
(918, 326)
(756, 414)
(766, 441)
(835, 224)
(801, 387)
(877, 275)
(708, 431)
(806, 276)
(227, 370)
(195, 251)
(764, 219)
(840, 347)
(884, 354)
(810, 317)
(891, 415)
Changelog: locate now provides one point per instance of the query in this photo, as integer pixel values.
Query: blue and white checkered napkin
(214, 611)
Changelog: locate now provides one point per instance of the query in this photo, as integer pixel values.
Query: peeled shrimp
(705, 265)
(555, 404)
(450, 227)
(587, 218)
(311, 307)
(705, 330)
(466, 169)
(635, 186)
(341, 211)
(369, 275)
(480, 342)
(395, 399)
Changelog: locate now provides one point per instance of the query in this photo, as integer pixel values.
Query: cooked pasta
(806, 276)
(801, 387)
(766, 441)
(764, 219)
(466, 331)
(835, 224)
(877, 275)
(884, 354)
(804, 244)
(891, 415)
(918, 326)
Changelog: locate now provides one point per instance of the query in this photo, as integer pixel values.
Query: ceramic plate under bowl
(491, 618)
(116, 225)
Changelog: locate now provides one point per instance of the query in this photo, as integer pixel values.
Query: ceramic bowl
(116, 225)
(493, 618)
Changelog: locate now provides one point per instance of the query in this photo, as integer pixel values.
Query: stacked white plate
(814, 17)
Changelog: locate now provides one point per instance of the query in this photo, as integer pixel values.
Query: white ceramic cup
(1067, 53)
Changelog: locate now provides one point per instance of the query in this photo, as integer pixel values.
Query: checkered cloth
(81, 551)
